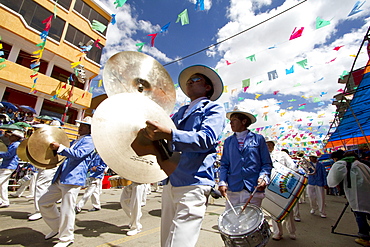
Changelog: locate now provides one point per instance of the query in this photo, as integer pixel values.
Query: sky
(250, 39)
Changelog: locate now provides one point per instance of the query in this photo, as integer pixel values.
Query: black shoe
(94, 209)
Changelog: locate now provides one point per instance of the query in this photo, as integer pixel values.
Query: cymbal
(115, 125)
(131, 71)
(21, 150)
(40, 165)
(3, 147)
(39, 144)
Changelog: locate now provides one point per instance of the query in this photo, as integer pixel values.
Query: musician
(8, 165)
(198, 128)
(284, 159)
(316, 186)
(66, 184)
(133, 197)
(97, 168)
(245, 161)
(356, 187)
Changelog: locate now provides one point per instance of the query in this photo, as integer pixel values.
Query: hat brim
(250, 116)
(218, 86)
(82, 122)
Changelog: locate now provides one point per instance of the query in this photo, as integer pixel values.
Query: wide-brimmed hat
(268, 139)
(86, 120)
(313, 154)
(238, 109)
(55, 123)
(18, 133)
(218, 86)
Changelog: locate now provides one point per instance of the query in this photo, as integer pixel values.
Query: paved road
(108, 226)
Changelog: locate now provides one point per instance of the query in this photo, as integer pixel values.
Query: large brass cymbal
(115, 125)
(21, 151)
(39, 144)
(40, 165)
(130, 72)
(3, 147)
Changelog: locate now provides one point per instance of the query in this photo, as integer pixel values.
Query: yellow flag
(100, 83)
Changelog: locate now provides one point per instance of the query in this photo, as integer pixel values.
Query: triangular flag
(140, 45)
(356, 8)
(246, 83)
(289, 71)
(321, 23)
(257, 96)
(113, 21)
(296, 34)
(337, 48)
(251, 58)
(120, 3)
(47, 23)
(199, 3)
(98, 26)
(100, 83)
(344, 73)
(153, 36)
(225, 89)
(302, 63)
(165, 27)
(183, 17)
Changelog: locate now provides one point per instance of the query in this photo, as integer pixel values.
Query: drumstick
(227, 199)
(251, 196)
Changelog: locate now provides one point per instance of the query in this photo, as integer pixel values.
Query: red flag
(47, 23)
(153, 36)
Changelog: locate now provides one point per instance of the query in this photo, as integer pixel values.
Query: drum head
(242, 223)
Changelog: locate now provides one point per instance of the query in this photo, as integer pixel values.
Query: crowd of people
(9, 116)
(246, 166)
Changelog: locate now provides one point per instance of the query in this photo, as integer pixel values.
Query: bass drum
(248, 228)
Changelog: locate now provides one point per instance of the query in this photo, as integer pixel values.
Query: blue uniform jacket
(10, 158)
(319, 178)
(196, 136)
(100, 166)
(74, 169)
(241, 169)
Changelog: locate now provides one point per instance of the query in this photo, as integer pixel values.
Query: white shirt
(284, 159)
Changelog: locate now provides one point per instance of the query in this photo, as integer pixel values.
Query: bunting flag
(183, 17)
(296, 34)
(140, 46)
(272, 75)
(2, 60)
(356, 8)
(226, 89)
(96, 43)
(337, 48)
(199, 3)
(289, 71)
(113, 21)
(257, 96)
(251, 58)
(119, 3)
(321, 23)
(303, 63)
(165, 27)
(246, 83)
(100, 83)
(276, 92)
(344, 73)
(96, 25)
(153, 36)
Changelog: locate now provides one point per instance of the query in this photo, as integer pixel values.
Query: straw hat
(86, 120)
(18, 133)
(239, 109)
(218, 86)
(268, 139)
(313, 154)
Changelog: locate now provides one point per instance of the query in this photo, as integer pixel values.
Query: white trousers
(30, 184)
(183, 210)
(316, 195)
(93, 190)
(288, 222)
(131, 200)
(242, 197)
(43, 181)
(63, 221)
(4, 182)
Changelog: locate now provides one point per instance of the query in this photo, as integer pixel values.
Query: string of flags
(2, 60)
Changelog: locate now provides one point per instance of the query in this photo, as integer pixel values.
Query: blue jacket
(319, 178)
(241, 169)
(74, 169)
(100, 166)
(10, 158)
(196, 135)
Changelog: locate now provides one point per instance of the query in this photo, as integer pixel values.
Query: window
(25, 59)
(89, 13)
(63, 75)
(34, 14)
(64, 3)
(77, 38)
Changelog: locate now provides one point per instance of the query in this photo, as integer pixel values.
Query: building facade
(70, 30)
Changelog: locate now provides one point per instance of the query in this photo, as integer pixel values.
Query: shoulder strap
(349, 165)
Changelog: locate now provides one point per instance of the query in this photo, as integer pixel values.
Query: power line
(233, 36)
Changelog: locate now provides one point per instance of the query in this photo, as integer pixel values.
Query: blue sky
(311, 87)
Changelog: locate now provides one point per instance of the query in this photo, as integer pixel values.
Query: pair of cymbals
(115, 125)
(36, 149)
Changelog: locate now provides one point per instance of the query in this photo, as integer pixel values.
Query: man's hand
(223, 190)
(155, 131)
(54, 146)
(93, 169)
(261, 186)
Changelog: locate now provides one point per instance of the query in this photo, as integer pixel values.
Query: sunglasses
(193, 80)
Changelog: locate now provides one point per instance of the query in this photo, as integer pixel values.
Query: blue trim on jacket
(10, 158)
(319, 178)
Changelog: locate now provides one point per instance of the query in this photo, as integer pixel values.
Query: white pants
(183, 210)
(296, 211)
(131, 201)
(43, 181)
(93, 190)
(4, 182)
(241, 197)
(30, 184)
(288, 222)
(63, 221)
(316, 194)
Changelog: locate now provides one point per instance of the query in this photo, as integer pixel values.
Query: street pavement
(108, 226)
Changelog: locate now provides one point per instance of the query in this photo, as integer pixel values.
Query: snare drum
(248, 229)
(123, 182)
(113, 180)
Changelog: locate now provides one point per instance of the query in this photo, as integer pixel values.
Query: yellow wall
(20, 75)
